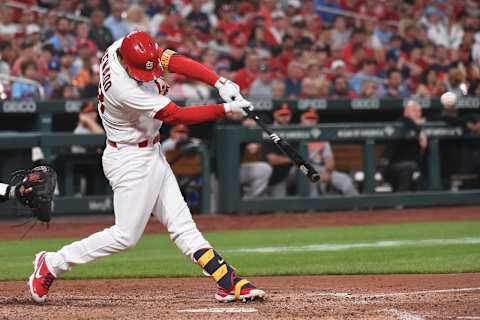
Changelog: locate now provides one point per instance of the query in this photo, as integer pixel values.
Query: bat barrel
(286, 148)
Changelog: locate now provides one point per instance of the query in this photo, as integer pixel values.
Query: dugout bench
(67, 203)
(230, 138)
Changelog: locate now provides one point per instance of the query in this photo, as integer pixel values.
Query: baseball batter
(133, 106)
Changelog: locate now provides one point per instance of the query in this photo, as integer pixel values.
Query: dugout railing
(15, 154)
(229, 139)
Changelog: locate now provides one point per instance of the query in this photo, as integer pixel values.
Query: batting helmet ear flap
(139, 53)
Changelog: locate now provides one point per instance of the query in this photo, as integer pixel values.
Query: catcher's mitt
(35, 188)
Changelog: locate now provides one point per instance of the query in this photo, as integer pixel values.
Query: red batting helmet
(140, 54)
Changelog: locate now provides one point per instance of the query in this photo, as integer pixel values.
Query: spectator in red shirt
(172, 27)
(415, 67)
(266, 9)
(359, 37)
(278, 27)
(433, 83)
(227, 21)
(245, 76)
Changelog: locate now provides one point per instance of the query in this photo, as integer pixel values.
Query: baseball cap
(298, 21)
(54, 65)
(222, 67)
(226, 7)
(278, 14)
(139, 52)
(180, 128)
(294, 3)
(310, 114)
(339, 63)
(283, 110)
(432, 10)
(392, 54)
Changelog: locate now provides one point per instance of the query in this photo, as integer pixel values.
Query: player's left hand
(35, 190)
(228, 90)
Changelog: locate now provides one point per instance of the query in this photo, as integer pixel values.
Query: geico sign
(365, 103)
(19, 107)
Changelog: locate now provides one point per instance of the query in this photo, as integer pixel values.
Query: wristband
(165, 59)
(4, 190)
(220, 82)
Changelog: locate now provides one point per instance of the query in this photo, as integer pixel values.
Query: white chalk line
(393, 294)
(218, 310)
(404, 315)
(348, 246)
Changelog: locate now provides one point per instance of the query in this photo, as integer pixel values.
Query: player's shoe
(41, 279)
(242, 291)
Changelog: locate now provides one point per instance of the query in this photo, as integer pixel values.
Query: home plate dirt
(402, 297)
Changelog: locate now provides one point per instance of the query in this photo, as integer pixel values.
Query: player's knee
(126, 240)
(266, 170)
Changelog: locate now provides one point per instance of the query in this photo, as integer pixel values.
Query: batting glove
(228, 90)
(237, 106)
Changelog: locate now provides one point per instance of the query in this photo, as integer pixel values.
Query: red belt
(142, 144)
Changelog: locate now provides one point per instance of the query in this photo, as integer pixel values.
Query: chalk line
(218, 310)
(348, 246)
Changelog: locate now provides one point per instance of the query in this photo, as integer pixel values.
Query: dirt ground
(402, 297)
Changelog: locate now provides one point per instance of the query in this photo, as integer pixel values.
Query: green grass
(156, 256)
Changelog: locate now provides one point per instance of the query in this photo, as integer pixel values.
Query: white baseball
(448, 99)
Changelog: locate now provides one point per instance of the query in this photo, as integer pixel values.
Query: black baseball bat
(305, 167)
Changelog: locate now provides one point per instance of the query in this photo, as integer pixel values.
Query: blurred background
(353, 84)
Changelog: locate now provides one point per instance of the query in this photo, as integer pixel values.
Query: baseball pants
(254, 178)
(340, 181)
(143, 183)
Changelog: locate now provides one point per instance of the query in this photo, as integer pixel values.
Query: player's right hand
(237, 106)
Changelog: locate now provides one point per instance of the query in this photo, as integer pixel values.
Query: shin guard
(216, 267)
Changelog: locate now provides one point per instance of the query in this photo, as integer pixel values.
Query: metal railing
(352, 14)
(23, 6)
(41, 91)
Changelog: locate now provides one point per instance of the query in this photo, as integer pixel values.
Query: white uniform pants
(143, 183)
(254, 178)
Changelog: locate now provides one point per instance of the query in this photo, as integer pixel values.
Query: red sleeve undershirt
(192, 69)
(174, 114)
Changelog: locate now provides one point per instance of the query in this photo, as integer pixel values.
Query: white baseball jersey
(141, 178)
(127, 107)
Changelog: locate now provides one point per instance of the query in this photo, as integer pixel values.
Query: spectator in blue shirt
(383, 32)
(367, 72)
(293, 83)
(115, 23)
(52, 81)
(22, 90)
(62, 40)
(395, 86)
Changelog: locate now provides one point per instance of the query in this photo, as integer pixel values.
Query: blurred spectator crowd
(272, 49)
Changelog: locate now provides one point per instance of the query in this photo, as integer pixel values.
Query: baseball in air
(448, 99)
